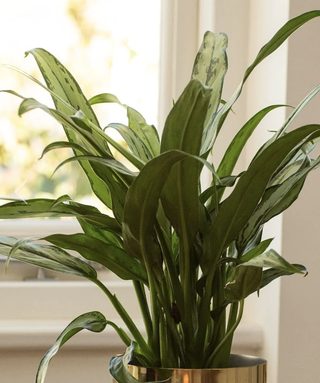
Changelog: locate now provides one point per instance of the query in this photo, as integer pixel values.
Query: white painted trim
(33, 334)
(38, 227)
(179, 44)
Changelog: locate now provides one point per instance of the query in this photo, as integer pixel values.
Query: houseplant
(196, 253)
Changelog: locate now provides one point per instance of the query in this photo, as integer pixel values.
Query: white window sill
(37, 227)
(34, 313)
(33, 334)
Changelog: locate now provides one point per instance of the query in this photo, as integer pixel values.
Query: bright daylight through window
(106, 50)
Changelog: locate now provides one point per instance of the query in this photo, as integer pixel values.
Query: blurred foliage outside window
(109, 46)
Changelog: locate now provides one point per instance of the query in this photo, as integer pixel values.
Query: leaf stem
(228, 334)
(144, 308)
(147, 351)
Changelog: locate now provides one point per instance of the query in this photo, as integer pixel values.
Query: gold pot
(242, 369)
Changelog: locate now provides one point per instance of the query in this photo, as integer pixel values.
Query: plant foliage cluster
(193, 255)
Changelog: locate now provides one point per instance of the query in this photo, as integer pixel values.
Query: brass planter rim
(242, 369)
(236, 361)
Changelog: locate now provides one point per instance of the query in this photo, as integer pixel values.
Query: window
(106, 49)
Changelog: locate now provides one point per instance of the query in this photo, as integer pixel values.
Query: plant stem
(204, 313)
(174, 331)
(144, 307)
(176, 287)
(210, 363)
(146, 350)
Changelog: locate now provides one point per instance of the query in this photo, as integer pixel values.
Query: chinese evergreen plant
(193, 255)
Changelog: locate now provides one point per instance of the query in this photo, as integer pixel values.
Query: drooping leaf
(104, 98)
(108, 162)
(271, 274)
(109, 256)
(119, 366)
(93, 321)
(63, 145)
(46, 256)
(42, 207)
(272, 259)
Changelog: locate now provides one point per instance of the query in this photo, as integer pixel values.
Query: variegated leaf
(210, 68)
(271, 259)
(46, 256)
(238, 208)
(111, 257)
(93, 321)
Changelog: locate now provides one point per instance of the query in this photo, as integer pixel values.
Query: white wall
(299, 339)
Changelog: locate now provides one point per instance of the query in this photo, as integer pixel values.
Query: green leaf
(142, 204)
(238, 208)
(63, 145)
(102, 232)
(246, 281)
(63, 84)
(183, 131)
(210, 68)
(296, 111)
(289, 170)
(109, 162)
(286, 200)
(184, 125)
(90, 138)
(234, 150)
(143, 139)
(147, 133)
(109, 256)
(93, 321)
(101, 139)
(259, 249)
(142, 201)
(104, 98)
(278, 39)
(271, 274)
(272, 259)
(119, 367)
(46, 256)
(135, 144)
(277, 199)
(27, 75)
(42, 207)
